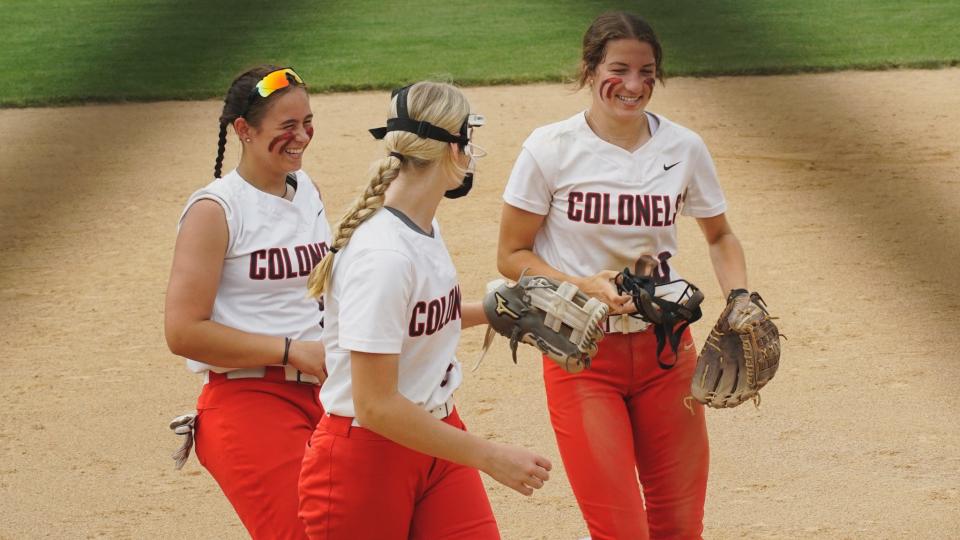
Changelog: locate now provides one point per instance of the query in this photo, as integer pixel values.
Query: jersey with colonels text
(605, 206)
(394, 290)
(272, 246)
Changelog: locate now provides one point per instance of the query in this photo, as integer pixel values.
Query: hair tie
(333, 250)
(398, 156)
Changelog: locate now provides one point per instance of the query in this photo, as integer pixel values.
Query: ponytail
(363, 207)
(237, 104)
(221, 146)
(442, 105)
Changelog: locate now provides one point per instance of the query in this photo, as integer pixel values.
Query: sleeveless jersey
(272, 246)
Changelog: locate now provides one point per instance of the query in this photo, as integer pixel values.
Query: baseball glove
(556, 318)
(650, 293)
(740, 356)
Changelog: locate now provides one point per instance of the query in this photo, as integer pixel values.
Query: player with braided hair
(392, 458)
(587, 197)
(236, 306)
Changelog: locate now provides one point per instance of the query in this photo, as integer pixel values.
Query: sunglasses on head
(273, 81)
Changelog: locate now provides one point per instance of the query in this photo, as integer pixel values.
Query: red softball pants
(356, 484)
(250, 435)
(632, 439)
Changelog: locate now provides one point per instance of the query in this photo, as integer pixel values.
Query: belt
(274, 373)
(443, 410)
(624, 324)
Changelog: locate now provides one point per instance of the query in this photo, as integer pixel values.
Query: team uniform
(604, 206)
(394, 290)
(253, 424)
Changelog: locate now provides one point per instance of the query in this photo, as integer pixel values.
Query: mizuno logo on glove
(502, 308)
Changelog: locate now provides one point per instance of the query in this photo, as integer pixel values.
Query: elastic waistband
(270, 373)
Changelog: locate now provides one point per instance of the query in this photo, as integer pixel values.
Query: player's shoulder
(304, 182)
(229, 188)
(547, 136)
(379, 231)
(378, 238)
(676, 132)
(548, 144)
(225, 191)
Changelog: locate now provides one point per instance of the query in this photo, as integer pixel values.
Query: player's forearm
(400, 420)
(729, 263)
(219, 345)
(471, 314)
(513, 264)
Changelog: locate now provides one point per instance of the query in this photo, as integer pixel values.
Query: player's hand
(309, 357)
(601, 287)
(517, 468)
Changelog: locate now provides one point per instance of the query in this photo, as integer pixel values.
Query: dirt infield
(844, 189)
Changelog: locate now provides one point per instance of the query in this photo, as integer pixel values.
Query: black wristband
(286, 350)
(735, 293)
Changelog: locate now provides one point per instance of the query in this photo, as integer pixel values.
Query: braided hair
(441, 104)
(237, 104)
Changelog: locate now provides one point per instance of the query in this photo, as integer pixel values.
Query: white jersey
(272, 246)
(606, 206)
(394, 290)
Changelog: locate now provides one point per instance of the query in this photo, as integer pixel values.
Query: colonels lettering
(430, 316)
(623, 209)
(277, 263)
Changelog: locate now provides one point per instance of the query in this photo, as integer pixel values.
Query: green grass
(70, 51)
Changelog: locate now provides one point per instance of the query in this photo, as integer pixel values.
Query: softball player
(586, 197)
(392, 458)
(236, 306)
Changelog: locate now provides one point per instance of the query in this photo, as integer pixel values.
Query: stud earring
(248, 140)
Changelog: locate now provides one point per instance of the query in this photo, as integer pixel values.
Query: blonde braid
(363, 207)
(441, 104)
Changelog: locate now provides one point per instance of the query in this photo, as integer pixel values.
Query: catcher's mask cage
(669, 319)
(426, 130)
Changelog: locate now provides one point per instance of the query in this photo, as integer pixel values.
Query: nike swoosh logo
(671, 166)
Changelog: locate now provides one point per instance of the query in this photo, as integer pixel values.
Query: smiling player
(236, 306)
(587, 197)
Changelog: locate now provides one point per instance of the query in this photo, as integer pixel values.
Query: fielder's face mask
(426, 130)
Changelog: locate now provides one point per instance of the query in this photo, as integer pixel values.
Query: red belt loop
(337, 425)
(275, 373)
(214, 377)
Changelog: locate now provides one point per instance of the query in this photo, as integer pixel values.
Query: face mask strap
(423, 129)
(426, 130)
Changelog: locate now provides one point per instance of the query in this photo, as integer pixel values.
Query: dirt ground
(844, 189)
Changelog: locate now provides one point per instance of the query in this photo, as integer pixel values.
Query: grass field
(69, 51)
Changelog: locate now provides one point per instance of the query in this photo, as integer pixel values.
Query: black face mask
(426, 130)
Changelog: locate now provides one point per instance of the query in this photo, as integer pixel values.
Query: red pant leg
(250, 435)
(670, 437)
(455, 503)
(595, 438)
(356, 484)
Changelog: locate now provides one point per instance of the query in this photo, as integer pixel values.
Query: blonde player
(587, 196)
(392, 458)
(236, 306)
